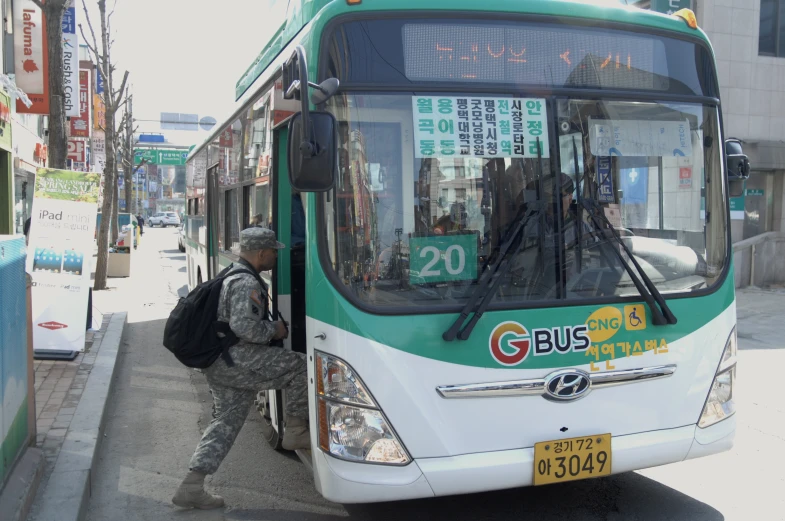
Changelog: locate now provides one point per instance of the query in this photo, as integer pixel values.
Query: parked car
(164, 219)
(181, 238)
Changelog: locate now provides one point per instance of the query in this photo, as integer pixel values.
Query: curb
(19, 492)
(68, 489)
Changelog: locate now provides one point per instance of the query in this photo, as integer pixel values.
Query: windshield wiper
(661, 315)
(488, 275)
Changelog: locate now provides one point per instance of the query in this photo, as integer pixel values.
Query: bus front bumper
(344, 482)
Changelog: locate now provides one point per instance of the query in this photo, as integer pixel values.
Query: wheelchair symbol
(634, 320)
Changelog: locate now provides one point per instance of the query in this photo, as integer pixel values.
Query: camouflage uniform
(257, 366)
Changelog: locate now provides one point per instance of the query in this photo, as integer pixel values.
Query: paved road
(158, 409)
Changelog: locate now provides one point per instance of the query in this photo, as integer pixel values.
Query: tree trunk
(128, 180)
(115, 210)
(110, 187)
(103, 231)
(58, 138)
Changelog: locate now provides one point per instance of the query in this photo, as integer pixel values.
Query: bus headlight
(720, 404)
(351, 426)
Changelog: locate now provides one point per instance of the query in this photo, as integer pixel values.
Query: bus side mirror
(312, 150)
(737, 166)
(312, 168)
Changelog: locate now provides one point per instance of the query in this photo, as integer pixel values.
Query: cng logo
(604, 323)
(510, 343)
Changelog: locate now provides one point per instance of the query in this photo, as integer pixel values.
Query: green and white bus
(516, 263)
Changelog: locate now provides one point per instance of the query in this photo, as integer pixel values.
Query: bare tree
(126, 151)
(58, 141)
(112, 101)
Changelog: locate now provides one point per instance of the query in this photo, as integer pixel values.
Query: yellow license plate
(571, 459)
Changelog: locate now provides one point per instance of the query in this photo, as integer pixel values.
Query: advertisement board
(65, 205)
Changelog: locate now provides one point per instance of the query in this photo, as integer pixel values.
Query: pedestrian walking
(254, 366)
(140, 220)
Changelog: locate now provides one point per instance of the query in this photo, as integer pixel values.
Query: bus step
(305, 457)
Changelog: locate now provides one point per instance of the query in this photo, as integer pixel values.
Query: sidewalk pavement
(72, 421)
(59, 385)
(70, 404)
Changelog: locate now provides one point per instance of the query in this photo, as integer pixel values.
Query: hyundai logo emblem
(567, 385)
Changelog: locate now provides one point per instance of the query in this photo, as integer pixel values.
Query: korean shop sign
(479, 127)
(80, 126)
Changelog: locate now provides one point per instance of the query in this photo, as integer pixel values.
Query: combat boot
(296, 435)
(191, 494)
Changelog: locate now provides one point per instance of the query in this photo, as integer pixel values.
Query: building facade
(749, 42)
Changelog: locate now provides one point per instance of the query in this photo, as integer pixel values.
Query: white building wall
(752, 86)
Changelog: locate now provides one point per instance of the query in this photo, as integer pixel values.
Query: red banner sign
(31, 56)
(80, 126)
(76, 150)
(40, 153)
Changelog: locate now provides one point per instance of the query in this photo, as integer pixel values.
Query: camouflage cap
(256, 238)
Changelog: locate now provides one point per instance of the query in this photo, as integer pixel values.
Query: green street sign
(140, 154)
(160, 156)
(670, 6)
(737, 204)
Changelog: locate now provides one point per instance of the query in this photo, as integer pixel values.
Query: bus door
(290, 271)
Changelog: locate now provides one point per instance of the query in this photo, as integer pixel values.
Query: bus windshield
(435, 185)
(418, 215)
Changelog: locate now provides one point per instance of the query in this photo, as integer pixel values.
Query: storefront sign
(5, 112)
(65, 205)
(99, 82)
(478, 127)
(31, 60)
(225, 140)
(40, 154)
(99, 113)
(70, 63)
(99, 150)
(76, 150)
(685, 177)
(80, 126)
(5, 121)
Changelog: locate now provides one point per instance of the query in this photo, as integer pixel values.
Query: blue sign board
(99, 82)
(605, 184)
(69, 21)
(151, 138)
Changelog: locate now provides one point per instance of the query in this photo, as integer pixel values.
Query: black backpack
(191, 331)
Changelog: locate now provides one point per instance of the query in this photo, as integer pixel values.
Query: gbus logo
(509, 343)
